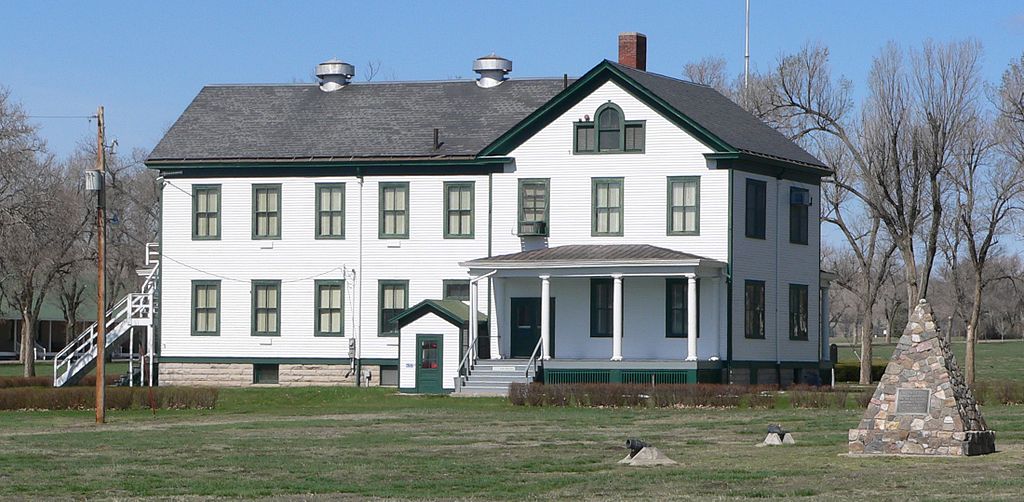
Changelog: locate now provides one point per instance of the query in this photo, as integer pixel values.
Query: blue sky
(146, 60)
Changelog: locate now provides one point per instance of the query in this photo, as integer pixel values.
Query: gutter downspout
(359, 286)
(490, 229)
(778, 287)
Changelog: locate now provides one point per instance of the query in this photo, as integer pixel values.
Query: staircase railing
(466, 364)
(534, 358)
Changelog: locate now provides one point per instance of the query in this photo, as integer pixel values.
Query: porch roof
(453, 311)
(592, 255)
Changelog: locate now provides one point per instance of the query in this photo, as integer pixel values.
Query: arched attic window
(609, 132)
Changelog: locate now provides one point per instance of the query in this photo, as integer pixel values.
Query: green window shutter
(606, 203)
(394, 210)
(534, 207)
(756, 208)
(601, 308)
(206, 202)
(205, 308)
(753, 309)
(458, 212)
(455, 289)
(799, 214)
(393, 299)
(330, 210)
(684, 205)
(266, 211)
(266, 308)
(330, 307)
(798, 313)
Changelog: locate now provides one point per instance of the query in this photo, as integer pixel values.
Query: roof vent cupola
(334, 74)
(492, 69)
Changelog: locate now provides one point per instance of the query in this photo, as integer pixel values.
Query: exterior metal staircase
(491, 377)
(135, 309)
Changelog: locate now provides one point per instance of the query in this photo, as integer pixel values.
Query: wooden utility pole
(101, 278)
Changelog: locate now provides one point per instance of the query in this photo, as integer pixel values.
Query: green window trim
(798, 312)
(533, 222)
(335, 217)
(602, 298)
(382, 287)
(462, 229)
(756, 209)
(448, 283)
(214, 310)
(201, 196)
(799, 216)
(272, 309)
(273, 216)
(673, 209)
(670, 287)
(330, 310)
(400, 225)
(631, 134)
(614, 213)
(754, 309)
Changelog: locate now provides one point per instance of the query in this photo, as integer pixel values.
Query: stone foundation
(241, 375)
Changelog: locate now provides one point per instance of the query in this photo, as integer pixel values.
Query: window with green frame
(266, 308)
(205, 308)
(601, 307)
(330, 307)
(606, 206)
(205, 212)
(394, 210)
(799, 214)
(677, 308)
(458, 210)
(394, 298)
(330, 210)
(534, 198)
(753, 309)
(798, 314)
(455, 289)
(756, 208)
(684, 205)
(266, 211)
(608, 132)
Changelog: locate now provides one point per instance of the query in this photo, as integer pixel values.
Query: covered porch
(626, 312)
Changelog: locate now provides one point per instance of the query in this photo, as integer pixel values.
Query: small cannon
(635, 445)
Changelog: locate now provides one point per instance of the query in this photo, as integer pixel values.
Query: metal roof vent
(492, 69)
(334, 74)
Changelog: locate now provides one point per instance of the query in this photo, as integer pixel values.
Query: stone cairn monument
(922, 405)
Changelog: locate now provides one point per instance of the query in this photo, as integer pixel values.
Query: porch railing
(534, 358)
(466, 364)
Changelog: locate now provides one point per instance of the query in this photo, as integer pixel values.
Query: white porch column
(500, 316)
(616, 317)
(691, 317)
(545, 316)
(474, 326)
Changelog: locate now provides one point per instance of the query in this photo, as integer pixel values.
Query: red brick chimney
(633, 50)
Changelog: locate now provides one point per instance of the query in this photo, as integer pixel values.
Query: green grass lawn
(995, 360)
(371, 442)
(45, 368)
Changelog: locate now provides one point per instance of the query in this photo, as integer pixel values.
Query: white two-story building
(622, 226)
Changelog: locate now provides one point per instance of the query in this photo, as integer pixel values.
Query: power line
(61, 116)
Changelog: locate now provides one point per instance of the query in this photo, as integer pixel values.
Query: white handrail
(464, 363)
(535, 357)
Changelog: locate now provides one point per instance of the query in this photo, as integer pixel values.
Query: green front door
(428, 364)
(525, 321)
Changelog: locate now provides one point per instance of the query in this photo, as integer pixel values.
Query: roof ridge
(380, 82)
(661, 75)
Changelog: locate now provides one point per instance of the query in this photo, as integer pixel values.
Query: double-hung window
(684, 205)
(677, 307)
(798, 312)
(607, 206)
(458, 212)
(799, 214)
(266, 308)
(330, 307)
(205, 212)
(394, 298)
(394, 210)
(205, 308)
(601, 308)
(455, 289)
(533, 206)
(330, 210)
(756, 208)
(753, 309)
(609, 132)
(266, 211)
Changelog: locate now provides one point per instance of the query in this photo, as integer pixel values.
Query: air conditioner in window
(527, 228)
(800, 198)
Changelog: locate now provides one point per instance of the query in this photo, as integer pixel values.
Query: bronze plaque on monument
(912, 401)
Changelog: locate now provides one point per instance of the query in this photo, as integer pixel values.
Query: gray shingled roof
(361, 120)
(590, 253)
(720, 116)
